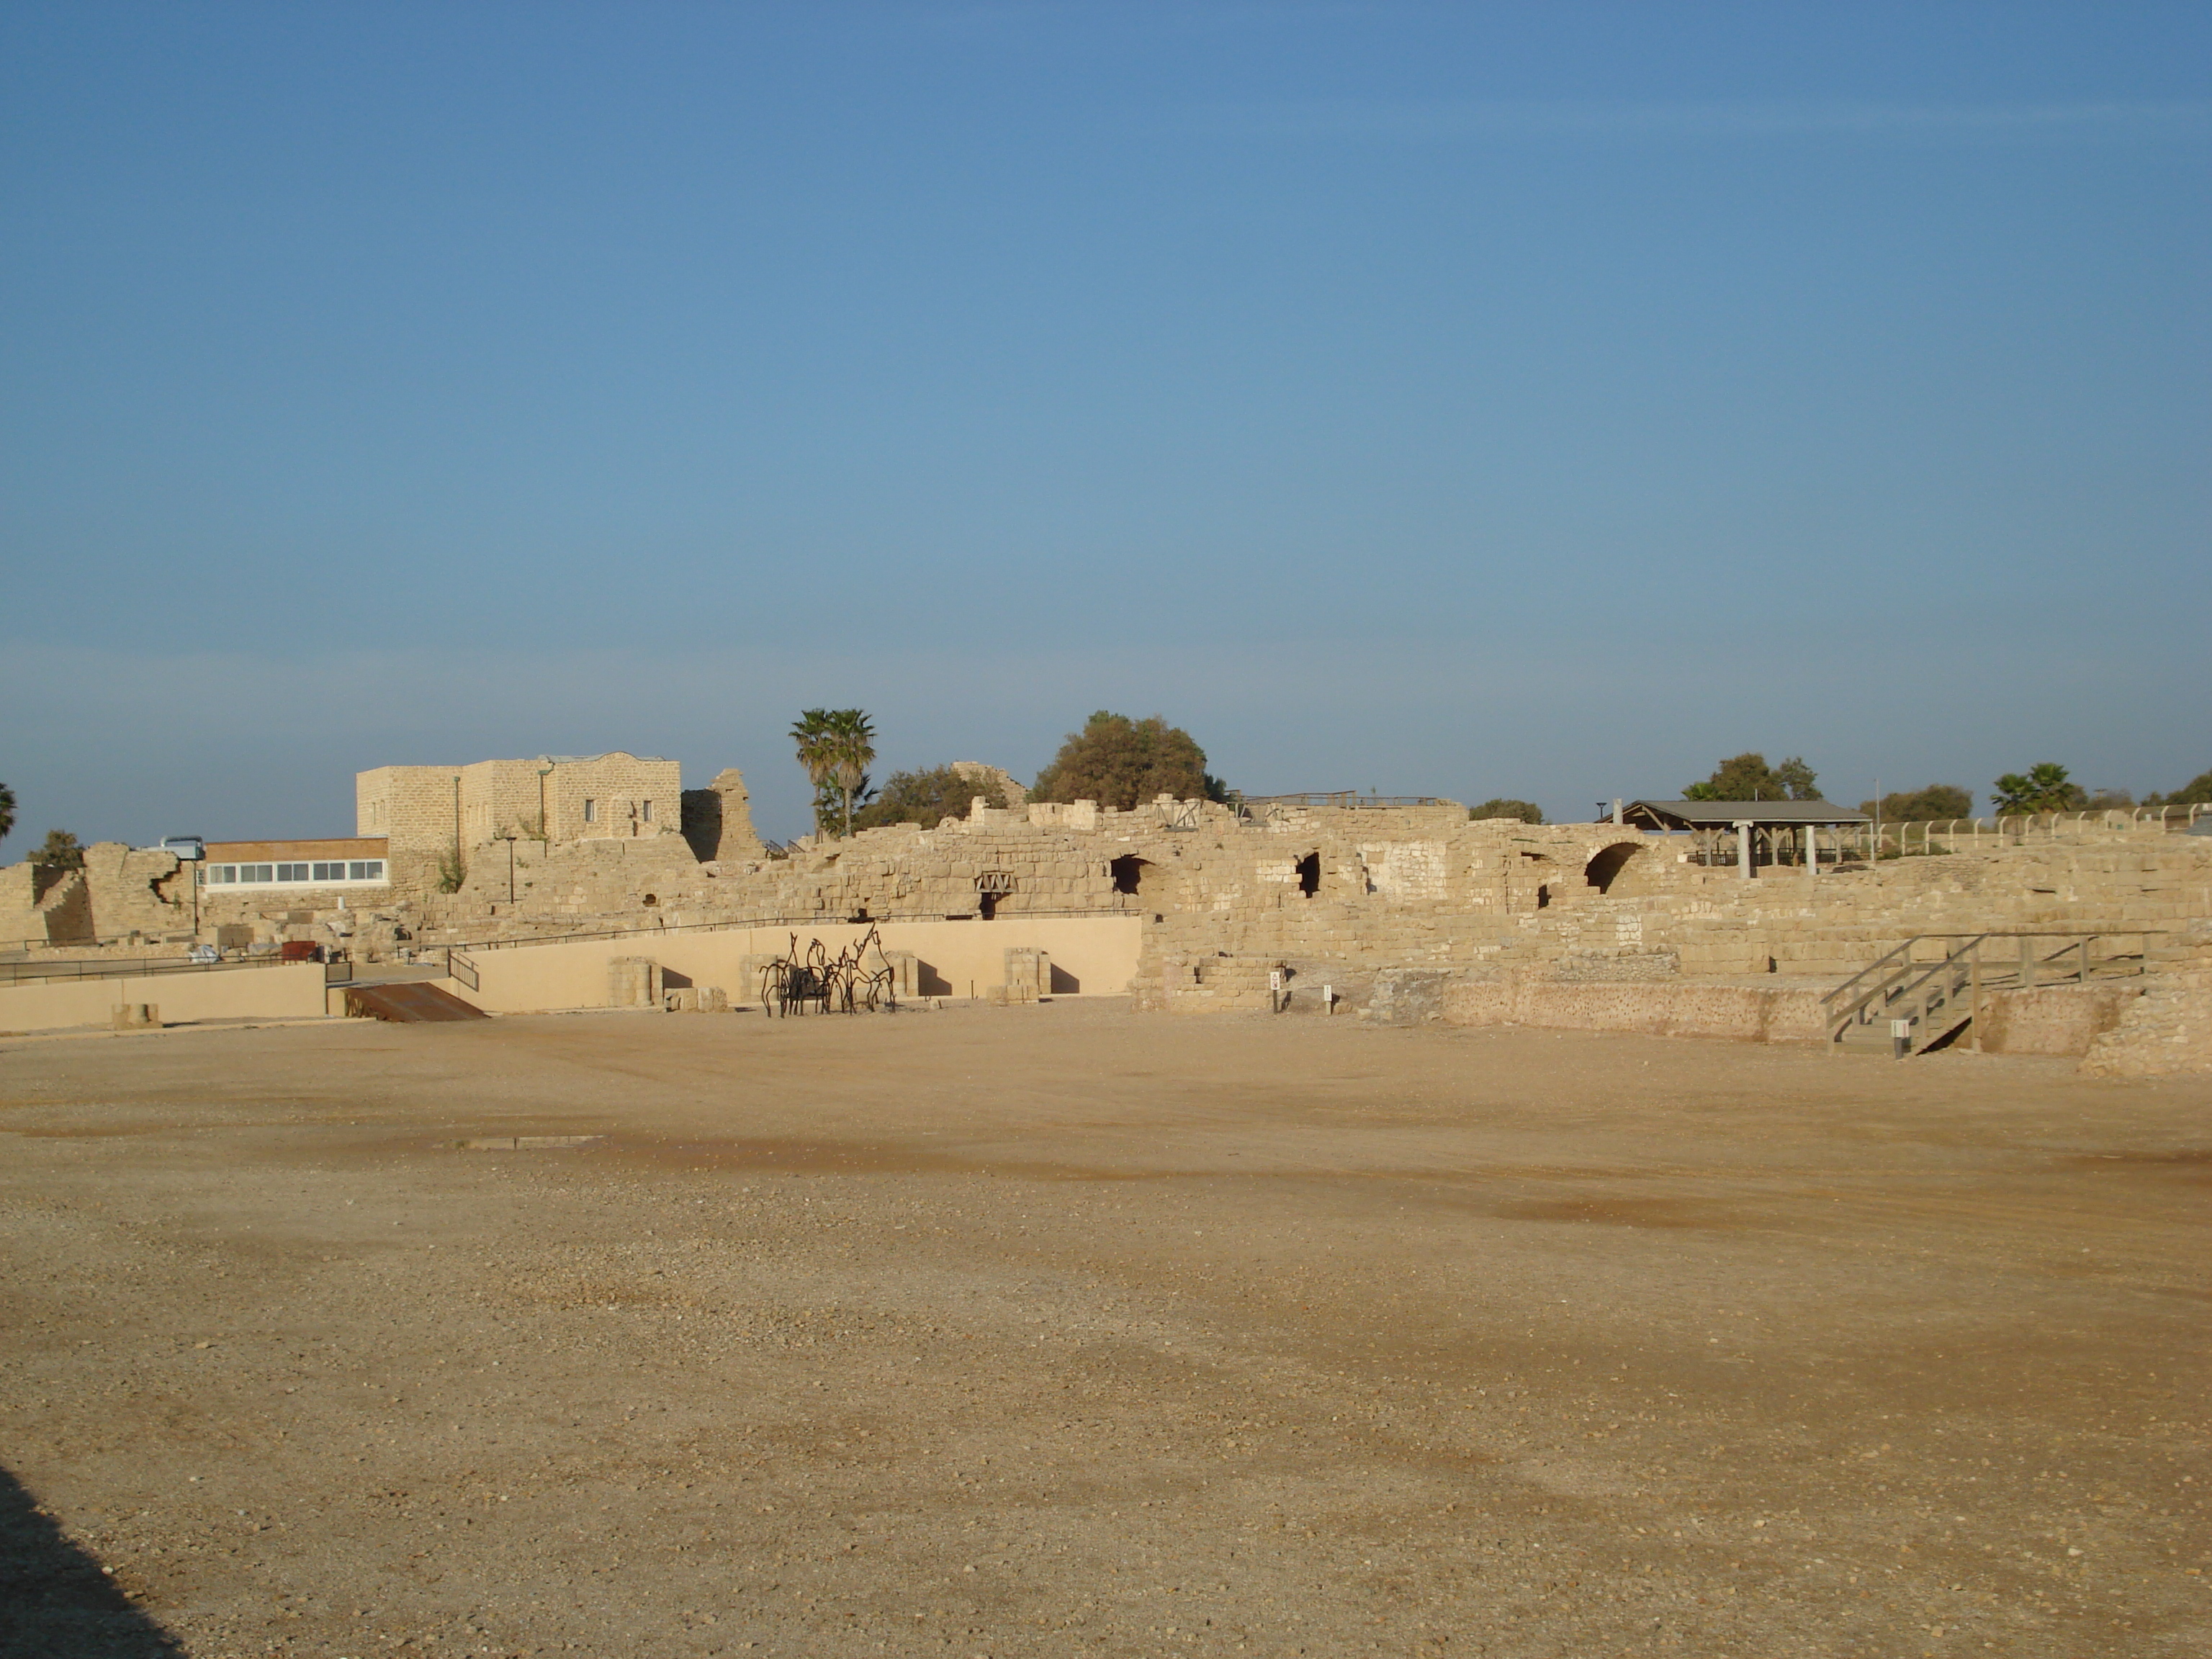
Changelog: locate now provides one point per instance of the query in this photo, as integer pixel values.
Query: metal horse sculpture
(813, 981)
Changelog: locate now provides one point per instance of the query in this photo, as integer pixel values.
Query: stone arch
(1607, 864)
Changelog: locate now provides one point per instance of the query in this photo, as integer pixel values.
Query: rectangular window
(591, 810)
(645, 812)
(292, 873)
(329, 872)
(371, 870)
(256, 872)
(223, 873)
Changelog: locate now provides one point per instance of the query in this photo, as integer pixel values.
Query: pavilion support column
(1813, 848)
(1743, 848)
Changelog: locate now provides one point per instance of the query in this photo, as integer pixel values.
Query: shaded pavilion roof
(1726, 814)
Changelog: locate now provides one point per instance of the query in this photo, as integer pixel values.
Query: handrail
(1890, 990)
(1337, 798)
(1900, 983)
(812, 919)
(17, 973)
(1877, 963)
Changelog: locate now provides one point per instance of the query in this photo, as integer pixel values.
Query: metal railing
(460, 969)
(1123, 905)
(22, 973)
(1932, 998)
(1333, 798)
(2021, 828)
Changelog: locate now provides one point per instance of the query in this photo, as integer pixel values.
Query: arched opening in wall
(1129, 873)
(1543, 897)
(1310, 874)
(1603, 871)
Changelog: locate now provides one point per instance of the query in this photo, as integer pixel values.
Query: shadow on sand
(55, 1602)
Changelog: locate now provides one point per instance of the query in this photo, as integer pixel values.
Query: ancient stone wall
(2168, 1031)
(718, 821)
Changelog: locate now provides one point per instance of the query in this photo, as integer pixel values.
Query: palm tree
(836, 746)
(2045, 788)
(7, 810)
(855, 748)
(817, 743)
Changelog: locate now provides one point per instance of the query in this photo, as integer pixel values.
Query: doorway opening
(1310, 874)
(1604, 869)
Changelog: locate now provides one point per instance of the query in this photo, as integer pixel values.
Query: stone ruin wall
(1418, 892)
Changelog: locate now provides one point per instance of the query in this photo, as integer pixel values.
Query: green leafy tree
(927, 798)
(7, 810)
(2044, 787)
(835, 746)
(2197, 792)
(1933, 804)
(1500, 806)
(59, 851)
(1118, 762)
(1748, 777)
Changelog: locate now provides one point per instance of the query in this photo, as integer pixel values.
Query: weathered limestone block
(2168, 1031)
(718, 821)
(2053, 1020)
(1028, 971)
(634, 982)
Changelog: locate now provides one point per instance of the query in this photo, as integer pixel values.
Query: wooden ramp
(410, 1002)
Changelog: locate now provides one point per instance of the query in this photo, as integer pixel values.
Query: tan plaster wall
(1098, 953)
(292, 992)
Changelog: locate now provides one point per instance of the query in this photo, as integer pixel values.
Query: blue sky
(1543, 399)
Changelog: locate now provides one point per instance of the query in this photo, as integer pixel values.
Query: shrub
(1501, 807)
(927, 798)
(1932, 804)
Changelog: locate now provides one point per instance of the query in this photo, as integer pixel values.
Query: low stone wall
(1741, 1014)
(2168, 1031)
(2058, 1019)
(2055, 1019)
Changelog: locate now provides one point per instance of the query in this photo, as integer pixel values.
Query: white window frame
(254, 876)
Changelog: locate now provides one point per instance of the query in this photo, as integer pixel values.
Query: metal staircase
(1926, 991)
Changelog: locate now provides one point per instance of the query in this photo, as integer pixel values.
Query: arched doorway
(1603, 870)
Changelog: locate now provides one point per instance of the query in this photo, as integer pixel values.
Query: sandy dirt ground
(1060, 1330)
